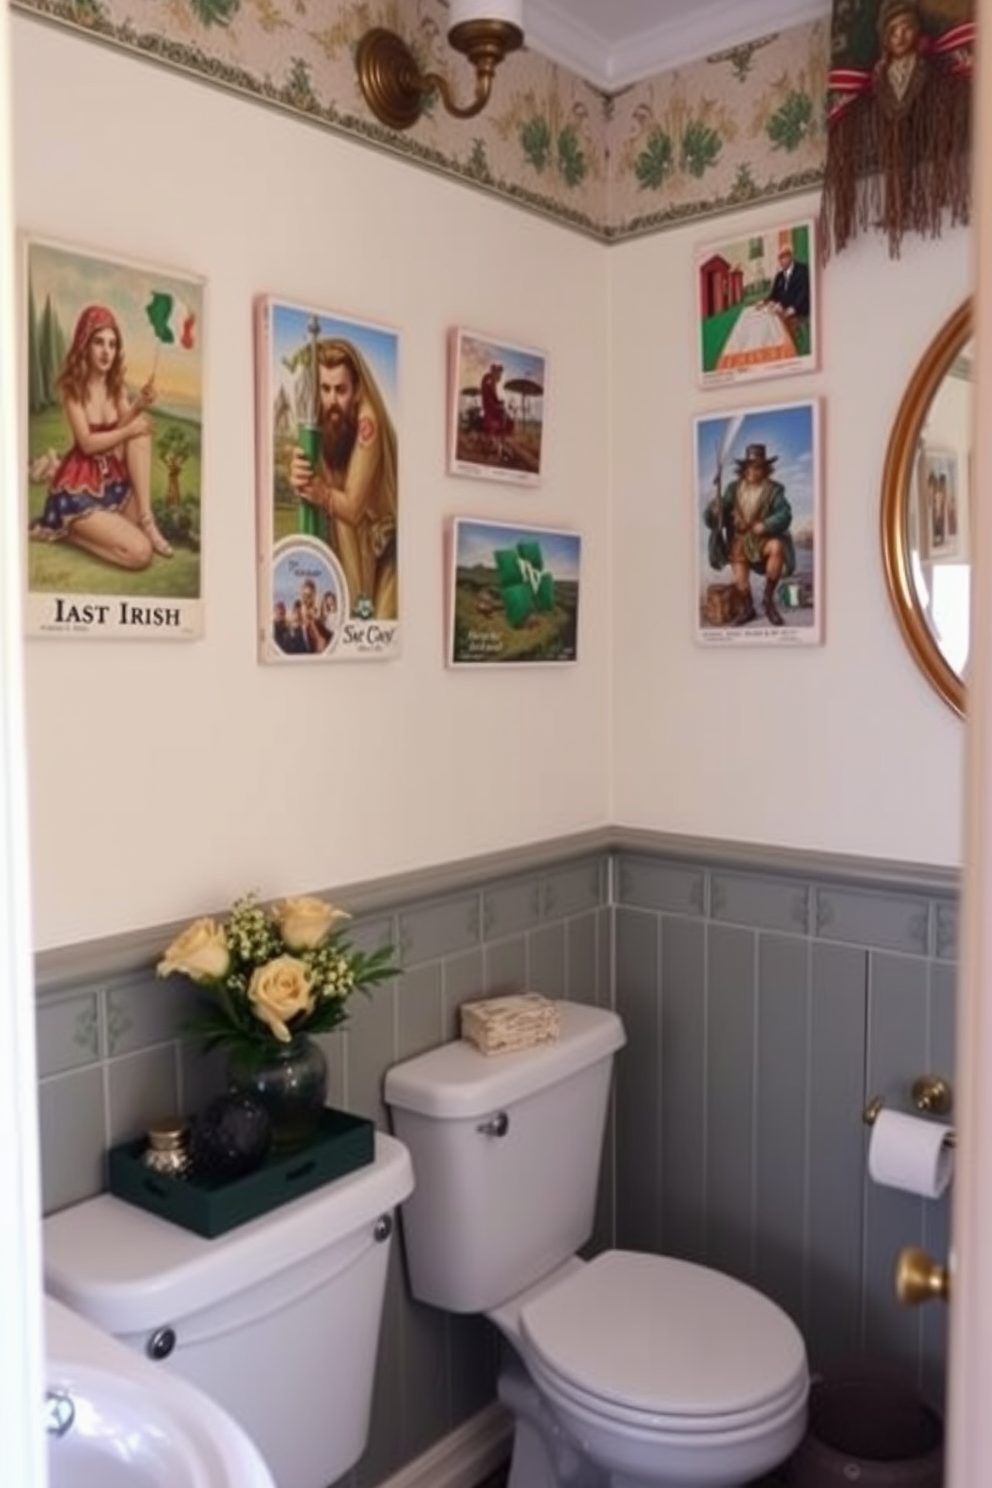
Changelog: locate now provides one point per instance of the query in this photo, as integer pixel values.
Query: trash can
(868, 1431)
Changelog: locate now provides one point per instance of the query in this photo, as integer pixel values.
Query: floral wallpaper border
(738, 127)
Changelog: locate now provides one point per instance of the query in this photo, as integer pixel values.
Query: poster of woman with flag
(114, 382)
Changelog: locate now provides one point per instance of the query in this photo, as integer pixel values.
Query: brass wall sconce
(396, 90)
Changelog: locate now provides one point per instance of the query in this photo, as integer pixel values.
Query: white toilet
(633, 1369)
(278, 1320)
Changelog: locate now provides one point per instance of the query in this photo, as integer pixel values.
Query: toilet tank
(506, 1149)
(278, 1320)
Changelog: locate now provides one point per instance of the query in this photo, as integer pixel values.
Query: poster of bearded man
(328, 479)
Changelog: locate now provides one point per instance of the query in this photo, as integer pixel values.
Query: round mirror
(926, 498)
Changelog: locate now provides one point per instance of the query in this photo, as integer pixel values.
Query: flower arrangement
(271, 973)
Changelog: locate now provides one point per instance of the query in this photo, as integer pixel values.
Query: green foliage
(535, 141)
(540, 149)
(478, 162)
(173, 447)
(298, 89)
(179, 524)
(701, 148)
(745, 187)
(215, 12)
(225, 959)
(740, 59)
(790, 124)
(572, 163)
(46, 352)
(656, 161)
(36, 394)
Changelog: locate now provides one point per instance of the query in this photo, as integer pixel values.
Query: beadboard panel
(765, 996)
(728, 1080)
(681, 994)
(638, 1087)
(836, 1168)
(780, 1003)
(781, 1120)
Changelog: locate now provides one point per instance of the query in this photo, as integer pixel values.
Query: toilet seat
(658, 1345)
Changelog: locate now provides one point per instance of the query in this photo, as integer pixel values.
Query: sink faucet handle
(59, 1412)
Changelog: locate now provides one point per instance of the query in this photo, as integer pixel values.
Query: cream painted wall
(167, 777)
(815, 748)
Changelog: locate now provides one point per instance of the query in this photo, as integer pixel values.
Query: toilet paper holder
(932, 1095)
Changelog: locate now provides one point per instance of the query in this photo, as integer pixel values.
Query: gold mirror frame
(898, 477)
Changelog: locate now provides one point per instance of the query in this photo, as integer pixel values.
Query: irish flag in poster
(173, 322)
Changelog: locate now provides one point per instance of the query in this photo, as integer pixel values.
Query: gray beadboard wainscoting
(767, 996)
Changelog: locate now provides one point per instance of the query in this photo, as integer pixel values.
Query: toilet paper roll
(910, 1153)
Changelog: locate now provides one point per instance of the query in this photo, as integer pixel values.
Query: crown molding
(612, 65)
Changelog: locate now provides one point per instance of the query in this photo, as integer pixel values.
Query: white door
(970, 1420)
(21, 1438)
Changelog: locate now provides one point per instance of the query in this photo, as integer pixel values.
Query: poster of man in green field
(114, 447)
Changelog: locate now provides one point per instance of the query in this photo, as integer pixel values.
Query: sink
(115, 1420)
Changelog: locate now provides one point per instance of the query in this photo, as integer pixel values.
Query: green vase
(290, 1081)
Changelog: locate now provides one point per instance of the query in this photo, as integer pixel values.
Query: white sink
(116, 1421)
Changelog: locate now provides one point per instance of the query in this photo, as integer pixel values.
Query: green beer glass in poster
(328, 486)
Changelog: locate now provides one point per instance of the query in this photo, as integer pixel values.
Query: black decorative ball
(230, 1137)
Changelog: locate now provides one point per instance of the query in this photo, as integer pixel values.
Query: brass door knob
(920, 1279)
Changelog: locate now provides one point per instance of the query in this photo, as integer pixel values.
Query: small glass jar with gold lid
(168, 1146)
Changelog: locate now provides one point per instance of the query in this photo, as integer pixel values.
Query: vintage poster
(114, 443)
(513, 594)
(328, 478)
(758, 525)
(757, 306)
(944, 514)
(496, 409)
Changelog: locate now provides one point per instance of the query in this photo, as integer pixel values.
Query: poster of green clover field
(513, 594)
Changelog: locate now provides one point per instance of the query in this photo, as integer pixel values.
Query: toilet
(628, 1370)
(278, 1320)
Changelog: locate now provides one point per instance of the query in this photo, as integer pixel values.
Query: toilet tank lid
(456, 1080)
(127, 1270)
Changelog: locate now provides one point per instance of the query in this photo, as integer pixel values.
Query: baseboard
(462, 1458)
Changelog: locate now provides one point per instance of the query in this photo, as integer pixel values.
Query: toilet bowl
(663, 1372)
(630, 1370)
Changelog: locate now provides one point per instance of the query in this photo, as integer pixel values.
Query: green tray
(211, 1206)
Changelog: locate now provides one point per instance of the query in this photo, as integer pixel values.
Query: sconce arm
(436, 82)
(394, 87)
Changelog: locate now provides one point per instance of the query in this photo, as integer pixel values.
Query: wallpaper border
(609, 201)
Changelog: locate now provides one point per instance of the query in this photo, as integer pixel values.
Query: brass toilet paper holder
(932, 1095)
(919, 1278)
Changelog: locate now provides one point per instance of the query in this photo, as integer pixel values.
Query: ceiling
(613, 43)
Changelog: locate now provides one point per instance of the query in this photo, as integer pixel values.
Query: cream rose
(280, 990)
(304, 922)
(200, 952)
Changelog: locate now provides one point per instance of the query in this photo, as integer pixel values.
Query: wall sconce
(393, 85)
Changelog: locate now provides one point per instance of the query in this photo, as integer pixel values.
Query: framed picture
(513, 594)
(758, 525)
(328, 486)
(756, 297)
(114, 444)
(495, 409)
(942, 506)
